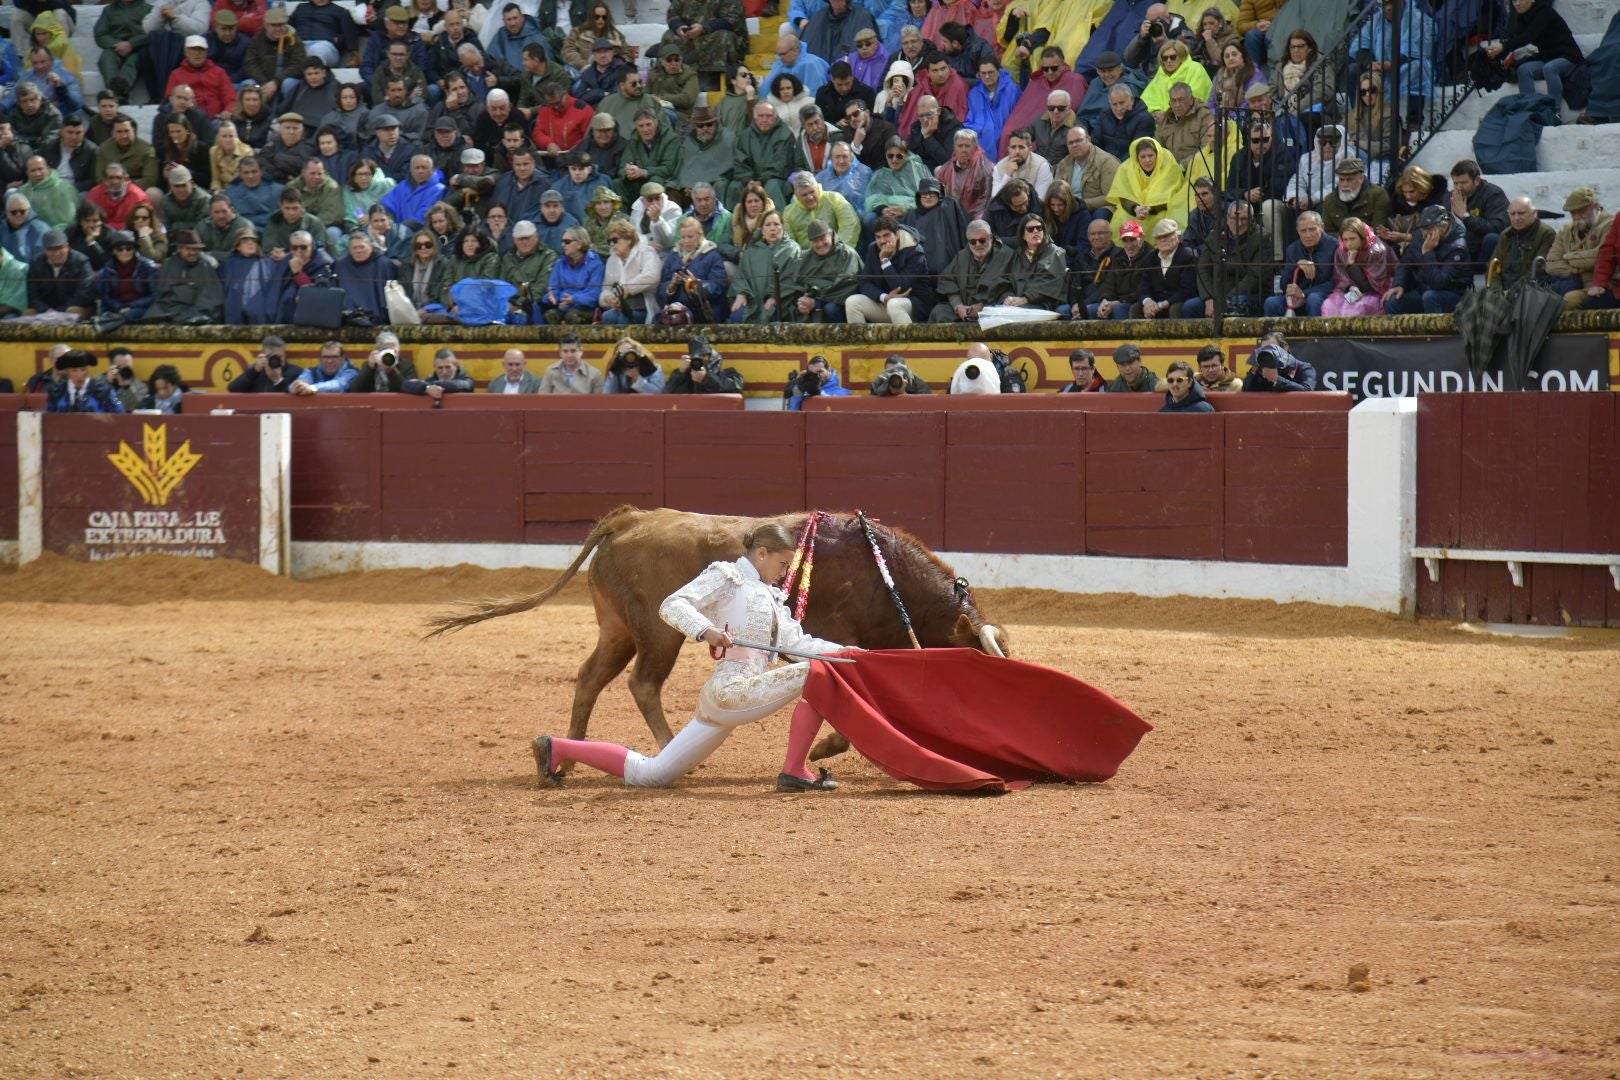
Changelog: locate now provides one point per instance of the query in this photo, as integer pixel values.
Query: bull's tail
(478, 610)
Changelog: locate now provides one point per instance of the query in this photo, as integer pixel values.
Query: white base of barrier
(9, 550)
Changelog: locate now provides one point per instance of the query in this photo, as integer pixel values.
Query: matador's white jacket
(731, 596)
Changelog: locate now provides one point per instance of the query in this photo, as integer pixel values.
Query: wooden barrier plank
(1439, 470)
(1167, 470)
(891, 466)
(578, 464)
(1015, 482)
(1274, 467)
(1174, 542)
(750, 464)
(1287, 430)
(1601, 499)
(1107, 431)
(450, 477)
(1320, 401)
(1286, 484)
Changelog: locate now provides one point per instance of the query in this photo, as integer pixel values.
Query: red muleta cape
(962, 720)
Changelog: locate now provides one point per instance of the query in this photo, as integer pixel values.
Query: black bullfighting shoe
(789, 782)
(549, 777)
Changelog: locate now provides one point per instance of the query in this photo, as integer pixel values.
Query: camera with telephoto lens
(698, 364)
(388, 357)
(808, 383)
(898, 378)
(1158, 28)
(630, 358)
(274, 361)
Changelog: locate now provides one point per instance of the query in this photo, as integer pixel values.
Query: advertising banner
(1407, 367)
(98, 487)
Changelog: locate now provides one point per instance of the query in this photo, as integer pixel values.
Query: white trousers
(723, 704)
(861, 308)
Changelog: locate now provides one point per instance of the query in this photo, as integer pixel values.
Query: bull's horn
(987, 637)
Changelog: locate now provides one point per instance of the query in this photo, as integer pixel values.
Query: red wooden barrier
(1015, 482)
(1321, 401)
(1286, 488)
(1520, 472)
(891, 466)
(750, 464)
(1247, 486)
(1154, 485)
(578, 464)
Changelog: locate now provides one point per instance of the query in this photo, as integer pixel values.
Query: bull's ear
(963, 635)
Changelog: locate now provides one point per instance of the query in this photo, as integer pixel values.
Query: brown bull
(644, 555)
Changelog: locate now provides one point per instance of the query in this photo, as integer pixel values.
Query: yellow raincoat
(1071, 23)
(1164, 191)
(57, 42)
(1156, 94)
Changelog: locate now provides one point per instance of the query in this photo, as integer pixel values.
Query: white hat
(179, 175)
(196, 41)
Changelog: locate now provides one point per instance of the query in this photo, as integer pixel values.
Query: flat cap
(55, 238)
(602, 43)
(817, 229)
(276, 15)
(1110, 60)
(603, 122)
(1350, 166)
(551, 195)
(1580, 198)
(651, 188)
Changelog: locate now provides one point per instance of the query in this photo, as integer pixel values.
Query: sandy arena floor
(254, 828)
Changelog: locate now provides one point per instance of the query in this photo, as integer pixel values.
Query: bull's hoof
(789, 782)
(549, 777)
(829, 745)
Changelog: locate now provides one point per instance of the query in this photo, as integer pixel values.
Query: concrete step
(1549, 189)
(1569, 148)
(1586, 16)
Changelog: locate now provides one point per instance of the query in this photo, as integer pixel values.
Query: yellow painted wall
(765, 367)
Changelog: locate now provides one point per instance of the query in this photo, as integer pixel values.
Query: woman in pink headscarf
(1363, 271)
(969, 175)
(1054, 74)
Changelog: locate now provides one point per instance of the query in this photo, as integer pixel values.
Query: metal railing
(1389, 82)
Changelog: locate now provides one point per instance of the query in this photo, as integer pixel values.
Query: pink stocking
(801, 733)
(604, 756)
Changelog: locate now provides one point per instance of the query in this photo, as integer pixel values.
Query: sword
(779, 651)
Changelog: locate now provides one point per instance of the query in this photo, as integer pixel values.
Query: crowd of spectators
(896, 164)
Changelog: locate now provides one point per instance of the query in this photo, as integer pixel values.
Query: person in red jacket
(560, 124)
(1604, 292)
(116, 197)
(216, 95)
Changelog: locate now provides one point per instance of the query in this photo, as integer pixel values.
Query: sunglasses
(867, 44)
(895, 157)
(1034, 228)
(1057, 108)
(425, 245)
(1258, 141)
(1178, 380)
(1051, 70)
(977, 240)
(700, 127)
(300, 247)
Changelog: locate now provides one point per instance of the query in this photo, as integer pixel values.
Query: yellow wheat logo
(158, 474)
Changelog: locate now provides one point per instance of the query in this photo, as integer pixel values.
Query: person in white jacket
(727, 598)
(631, 277)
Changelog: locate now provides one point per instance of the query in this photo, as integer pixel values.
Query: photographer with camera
(703, 371)
(129, 390)
(1273, 368)
(381, 373)
(898, 380)
(632, 370)
(817, 378)
(1159, 28)
(271, 373)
